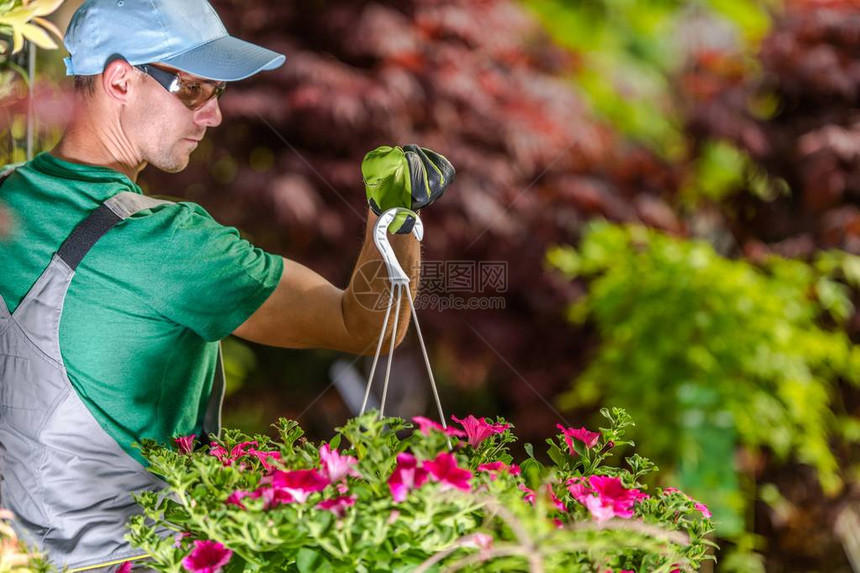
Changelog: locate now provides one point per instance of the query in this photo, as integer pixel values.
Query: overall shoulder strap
(119, 207)
(4, 174)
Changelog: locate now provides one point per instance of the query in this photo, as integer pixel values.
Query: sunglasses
(193, 93)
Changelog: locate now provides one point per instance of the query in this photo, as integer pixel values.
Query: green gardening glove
(411, 177)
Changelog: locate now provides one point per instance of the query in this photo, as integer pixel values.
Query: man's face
(167, 130)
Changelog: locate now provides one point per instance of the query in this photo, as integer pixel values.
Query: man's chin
(172, 166)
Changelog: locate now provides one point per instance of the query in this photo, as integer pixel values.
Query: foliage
(25, 20)
(712, 353)
(630, 52)
(478, 512)
(20, 20)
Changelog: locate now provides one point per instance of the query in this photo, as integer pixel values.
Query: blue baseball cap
(185, 34)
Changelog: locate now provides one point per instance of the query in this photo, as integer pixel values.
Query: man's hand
(411, 177)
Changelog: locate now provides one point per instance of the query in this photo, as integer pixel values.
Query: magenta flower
(407, 475)
(207, 557)
(217, 450)
(299, 484)
(185, 444)
(559, 505)
(264, 457)
(179, 536)
(444, 469)
(478, 430)
(124, 568)
(600, 509)
(703, 508)
(530, 494)
(235, 498)
(336, 466)
(338, 505)
(696, 504)
(242, 449)
(483, 542)
(581, 434)
(605, 496)
(426, 424)
(273, 497)
(493, 468)
(579, 489)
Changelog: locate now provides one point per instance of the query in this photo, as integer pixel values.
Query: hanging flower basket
(386, 495)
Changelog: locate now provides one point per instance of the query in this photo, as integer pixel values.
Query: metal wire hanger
(400, 283)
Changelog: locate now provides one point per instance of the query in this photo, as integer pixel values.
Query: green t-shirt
(147, 306)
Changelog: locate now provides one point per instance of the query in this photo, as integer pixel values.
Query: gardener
(113, 303)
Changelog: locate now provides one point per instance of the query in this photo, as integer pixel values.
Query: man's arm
(307, 311)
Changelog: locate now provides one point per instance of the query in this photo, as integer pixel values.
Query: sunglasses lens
(195, 94)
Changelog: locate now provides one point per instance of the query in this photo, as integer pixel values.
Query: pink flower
(581, 434)
(612, 499)
(299, 484)
(697, 504)
(479, 430)
(407, 475)
(207, 557)
(241, 449)
(185, 445)
(559, 524)
(219, 452)
(530, 494)
(514, 470)
(600, 509)
(426, 424)
(179, 536)
(273, 497)
(235, 498)
(579, 489)
(264, 457)
(445, 470)
(124, 568)
(703, 508)
(621, 498)
(483, 542)
(236, 452)
(337, 505)
(559, 505)
(493, 468)
(335, 466)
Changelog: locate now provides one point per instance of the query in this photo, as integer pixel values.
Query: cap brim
(226, 59)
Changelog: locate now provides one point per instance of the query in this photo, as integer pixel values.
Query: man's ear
(118, 80)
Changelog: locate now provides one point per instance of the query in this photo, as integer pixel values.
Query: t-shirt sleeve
(212, 280)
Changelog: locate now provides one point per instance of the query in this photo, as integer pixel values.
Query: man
(112, 303)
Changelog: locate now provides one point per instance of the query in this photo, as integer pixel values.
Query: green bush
(712, 354)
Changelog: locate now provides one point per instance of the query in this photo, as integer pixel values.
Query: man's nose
(209, 115)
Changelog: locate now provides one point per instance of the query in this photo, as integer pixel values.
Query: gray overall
(67, 481)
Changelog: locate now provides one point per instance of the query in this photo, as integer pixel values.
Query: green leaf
(530, 450)
(557, 456)
(310, 561)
